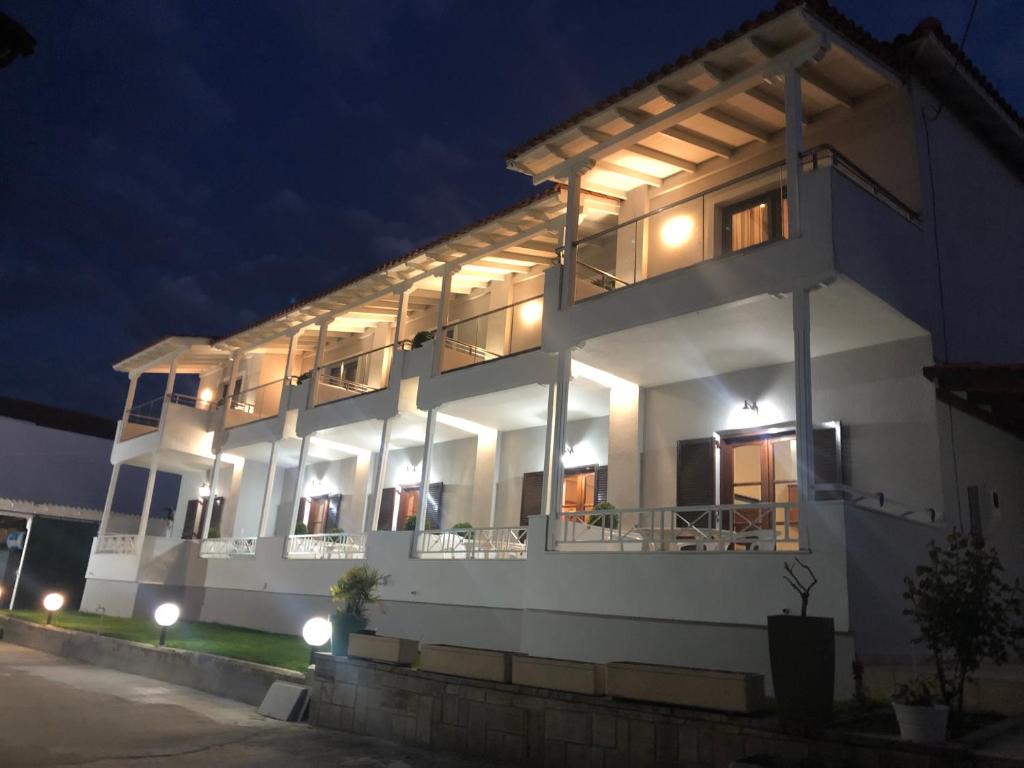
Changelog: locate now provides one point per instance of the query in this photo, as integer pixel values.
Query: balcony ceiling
(712, 111)
(194, 354)
(748, 334)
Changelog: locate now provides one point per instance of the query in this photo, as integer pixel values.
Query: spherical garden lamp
(53, 602)
(316, 632)
(166, 615)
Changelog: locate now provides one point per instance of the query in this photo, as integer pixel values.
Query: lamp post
(53, 602)
(316, 632)
(166, 615)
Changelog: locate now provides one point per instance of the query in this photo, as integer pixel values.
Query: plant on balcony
(353, 592)
(802, 651)
(965, 612)
(410, 523)
(213, 533)
(300, 528)
(421, 338)
(604, 521)
(464, 529)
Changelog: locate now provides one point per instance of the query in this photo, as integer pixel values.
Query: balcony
(352, 376)
(492, 335)
(327, 546)
(222, 549)
(254, 404)
(472, 544)
(741, 215)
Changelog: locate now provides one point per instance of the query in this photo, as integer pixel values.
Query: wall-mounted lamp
(532, 311)
(750, 405)
(204, 491)
(677, 231)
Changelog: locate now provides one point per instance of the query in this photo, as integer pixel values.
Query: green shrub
(356, 589)
(301, 529)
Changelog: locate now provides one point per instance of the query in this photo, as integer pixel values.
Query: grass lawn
(285, 651)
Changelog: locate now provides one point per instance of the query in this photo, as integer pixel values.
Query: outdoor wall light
(532, 312)
(166, 615)
(316, 632)
(206, 395)
(53, 602)
(750, 405)
(677, 231)
(204, 491)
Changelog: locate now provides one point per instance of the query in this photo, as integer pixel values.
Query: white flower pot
(927, 723)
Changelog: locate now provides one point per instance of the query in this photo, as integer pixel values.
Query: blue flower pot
(342, 625)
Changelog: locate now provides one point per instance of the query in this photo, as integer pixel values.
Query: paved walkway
(55, 712)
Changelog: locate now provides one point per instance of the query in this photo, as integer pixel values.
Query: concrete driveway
(55, 712)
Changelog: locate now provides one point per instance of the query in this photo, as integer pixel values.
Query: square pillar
(802, 379)
(485, 478)
(428, 452)
(378, 477)
(147, 502)
(212, 498)
(625, 445)
(558, 406)
(268, 491)
(794, 145)
(300, 482)
(109, 503)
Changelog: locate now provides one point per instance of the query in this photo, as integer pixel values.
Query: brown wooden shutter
(828, 463)
(387, 508)
(333, 510)
(188, 530)
(601, 485)
(695, 472)
(435, 498)
(533, 490)
(218, 511)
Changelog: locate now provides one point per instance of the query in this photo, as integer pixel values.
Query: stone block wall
(524, 725)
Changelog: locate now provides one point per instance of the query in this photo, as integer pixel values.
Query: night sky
(189, 168)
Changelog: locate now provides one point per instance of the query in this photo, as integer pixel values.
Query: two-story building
(729, 331)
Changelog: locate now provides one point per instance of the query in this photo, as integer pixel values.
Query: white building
(767, 243)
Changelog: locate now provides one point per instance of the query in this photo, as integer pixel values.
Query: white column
(212, 499)
(172, 372)
(625, 445)
(314, 376)
(109, 503)
(573, 208)
(21, 561)
(428, 452)
(379, 477)
(289, 361)
(268, 491)
(558, 405)
(442, 302)
(485, 478)
(802, 377)
(133, 380)
(400, 316)
(236, 362)
(300, 483)
(360, 484)
(794, 144)
(147, 502)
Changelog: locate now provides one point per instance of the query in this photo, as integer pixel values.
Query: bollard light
(316, 632)
(166, 615)
(53, 602)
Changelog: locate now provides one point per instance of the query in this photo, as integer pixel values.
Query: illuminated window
(755, 221)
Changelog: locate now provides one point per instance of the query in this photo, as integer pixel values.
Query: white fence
(472, 544)
(223, 548)
(715, 528)
(116, 544)
(327, 546)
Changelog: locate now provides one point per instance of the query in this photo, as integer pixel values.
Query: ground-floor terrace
(640, 505)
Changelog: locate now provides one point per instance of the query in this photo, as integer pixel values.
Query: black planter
(803, 656)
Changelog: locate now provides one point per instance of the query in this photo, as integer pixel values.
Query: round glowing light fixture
(677, 231)
(532, 311)
(206, 395)
(316, 631)
(53, 602)
(166, 615)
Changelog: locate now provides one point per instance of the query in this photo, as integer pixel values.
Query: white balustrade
(472, 544)
(327, 546)
(239, 546)
(116, 544)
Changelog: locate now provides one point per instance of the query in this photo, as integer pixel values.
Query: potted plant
(355, 590)
(300, 528)
(605, 521)
(965, 613)
(465, 529)
(802, 650)
(421, 338)
(919, 714)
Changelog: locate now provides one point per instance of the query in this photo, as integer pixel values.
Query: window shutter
(695, 472)
(333, 505)
(218, 510)
(828, 464)
(601, 485)
(387, 508)
(188, 530)
(435, 496)
(533, 489)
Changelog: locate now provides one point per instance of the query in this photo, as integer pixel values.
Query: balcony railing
(327, 546)
(254, 404)
(472, 544)
(142, 419)
(354, 375)
(745, 212)
(116, 544)
(720, 528)
(493, 334)
(244, 546)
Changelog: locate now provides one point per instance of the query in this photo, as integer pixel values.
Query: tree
(965, 612)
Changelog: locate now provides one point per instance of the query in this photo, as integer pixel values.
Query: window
(755, 221)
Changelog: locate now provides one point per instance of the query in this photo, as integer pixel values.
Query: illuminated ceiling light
(532, 311)
(677, 231)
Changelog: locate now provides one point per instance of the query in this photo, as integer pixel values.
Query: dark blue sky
(190, 167)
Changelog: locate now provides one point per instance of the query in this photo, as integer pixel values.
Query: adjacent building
(732, 329)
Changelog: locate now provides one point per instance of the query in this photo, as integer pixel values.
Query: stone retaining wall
(520, 724)
(231, 678)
